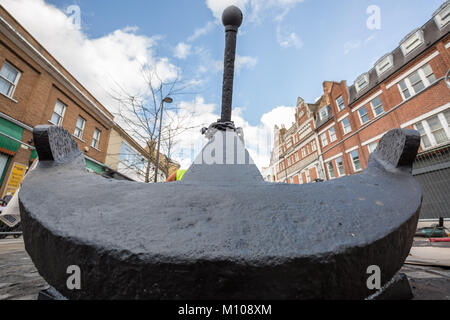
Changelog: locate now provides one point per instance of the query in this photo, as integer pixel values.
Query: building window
(332, 134)
(442, 16)
(346, 126)
(363, 115)
(296, 157)
(362, 82)
(355, 160)
(372, 146)
(95, 138)
(377, 107)
(412, 41)
(58, 113)
(434, 130)
(132, 159)
(9, 77)
(330, 168)
(323, 113)
(384, 64)
(324, 139)
(417, 81)
(308, 178)
(428, 73)
(303, 152)
(79, 128)
(340, 103)
(340, 167)
(313, 145)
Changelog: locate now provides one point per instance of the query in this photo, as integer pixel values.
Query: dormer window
(412, 41)
(323, 113)
(384, 64)
(362, 82)
(442, 15)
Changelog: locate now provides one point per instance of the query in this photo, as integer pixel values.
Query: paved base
(19, 279)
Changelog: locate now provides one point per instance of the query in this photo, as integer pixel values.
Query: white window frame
(328, 169)
(349, 125)
(438, 19)
(14, 84)
(384, 64)
(296, 157)
(408, 83)
(332, 135)
(430, 135)
(358, 80)
(320, 112)
(352, 161)
(360, 117)
(372, 146)
(81, 129)
(303, 152)
(97, 141)
(324, 139)
(337, 166)
(61, 116)
(374, 107)
(313, 145)
(412, 41)
(339, 105)
(308, 177)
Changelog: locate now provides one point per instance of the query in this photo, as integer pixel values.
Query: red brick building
(36, 89)
(406, 88)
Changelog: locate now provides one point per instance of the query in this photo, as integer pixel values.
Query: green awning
(94, 166)
(12, 130)
(34, 155)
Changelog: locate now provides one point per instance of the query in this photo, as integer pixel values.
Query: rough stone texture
(228, 235)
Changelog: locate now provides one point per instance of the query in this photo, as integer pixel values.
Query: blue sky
(323, 26)
(287, 48)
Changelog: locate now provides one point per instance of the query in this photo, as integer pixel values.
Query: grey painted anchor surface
(222, 232)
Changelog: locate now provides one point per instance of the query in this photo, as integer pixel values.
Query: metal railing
(432, 171)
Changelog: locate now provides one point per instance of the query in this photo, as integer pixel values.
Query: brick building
(295, 157)
(406, 88)
(35, 89)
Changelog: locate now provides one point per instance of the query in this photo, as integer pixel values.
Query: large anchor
(229, 234)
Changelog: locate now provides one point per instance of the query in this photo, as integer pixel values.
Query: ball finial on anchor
(232, 16)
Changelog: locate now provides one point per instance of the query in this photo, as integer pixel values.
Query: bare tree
(139, 115)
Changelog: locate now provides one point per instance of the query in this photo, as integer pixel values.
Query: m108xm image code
(242, 309)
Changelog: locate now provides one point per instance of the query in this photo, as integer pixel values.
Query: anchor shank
(228, 74)
(232, 19)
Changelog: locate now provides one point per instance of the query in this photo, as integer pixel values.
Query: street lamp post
(166, 100)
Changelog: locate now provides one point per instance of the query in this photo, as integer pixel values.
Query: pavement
(19, 279)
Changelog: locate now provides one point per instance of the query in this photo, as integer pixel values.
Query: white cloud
(254, 8)
(258, 138)
(245, 62)
(352, 45)
(241, 62)
(119, 56)
(202, 31)
(288, 39)
(98, 63)
(182, 50)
